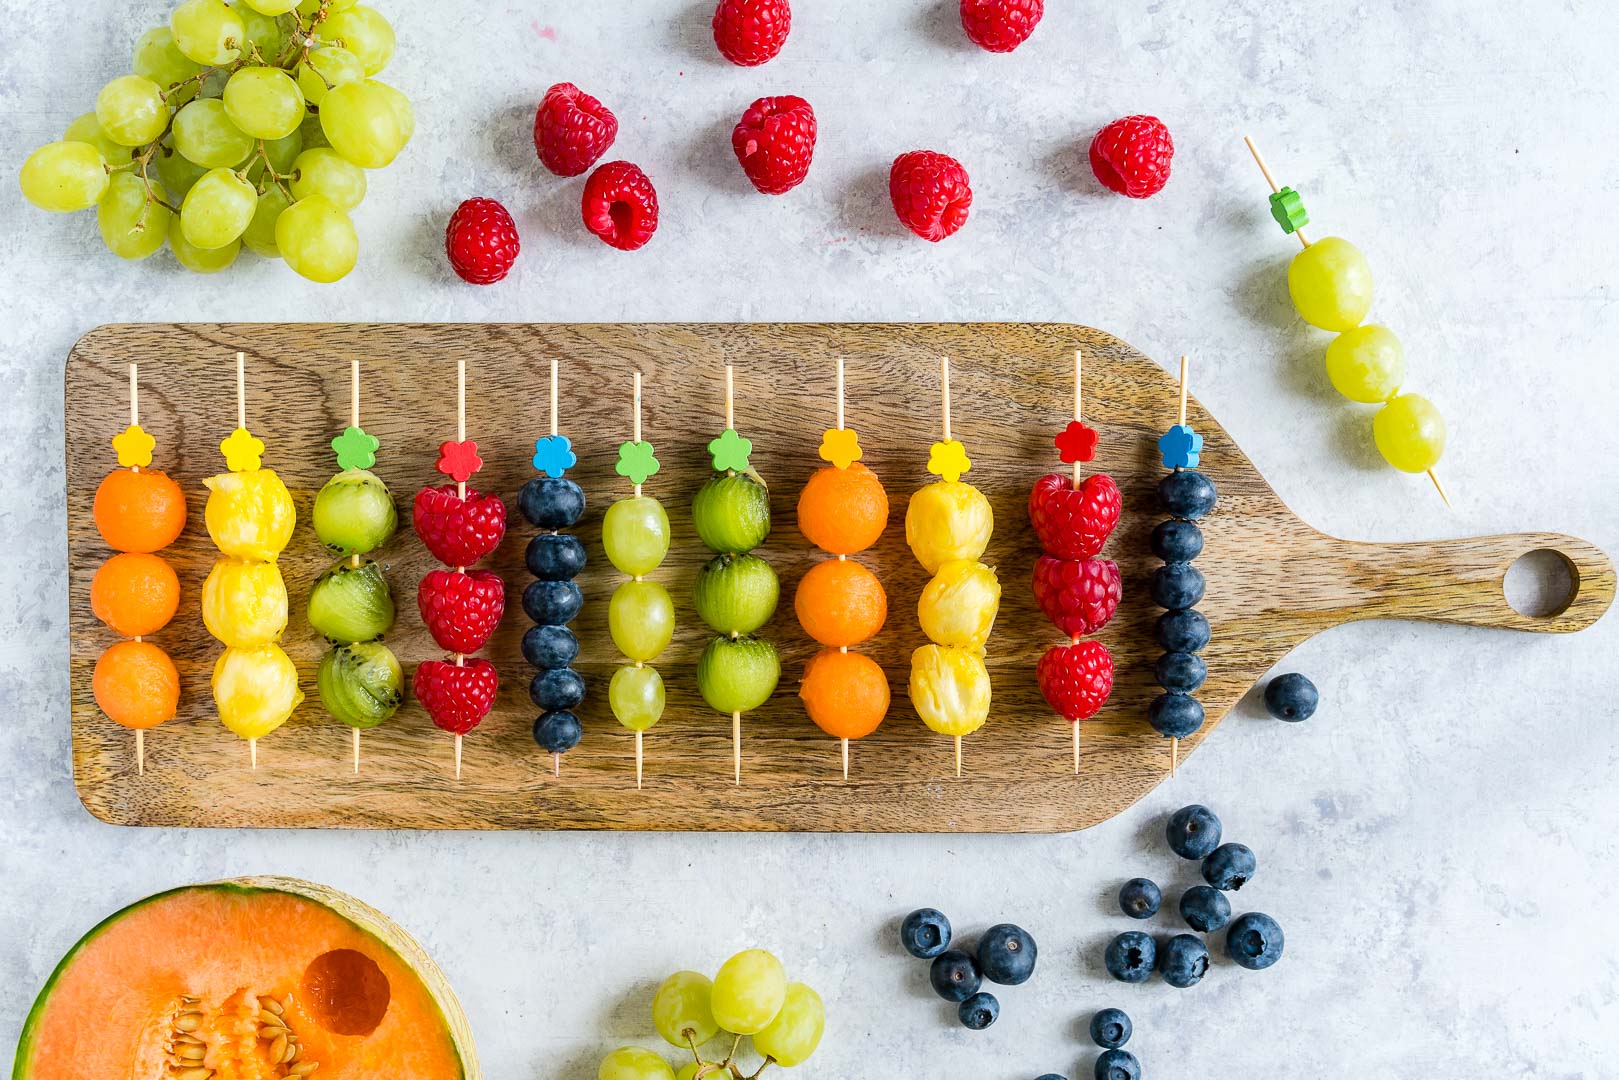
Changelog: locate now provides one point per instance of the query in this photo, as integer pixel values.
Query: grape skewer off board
(1012, 388)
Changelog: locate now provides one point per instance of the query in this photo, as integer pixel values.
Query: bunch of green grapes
(243, 124)
(749, 997)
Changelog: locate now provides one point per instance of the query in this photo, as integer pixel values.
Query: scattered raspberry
(1132, 156)
(457, 698)
(1076, 679)
(461, 610)
(481, 241)
(572, 130)
(931, 193)
(620, 206)
(458, 532)
(1074, 523)
(1079, 595)
(774, 141)
(1000, 25)
(749, 32)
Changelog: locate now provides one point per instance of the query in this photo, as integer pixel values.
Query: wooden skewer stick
(730, 396)
(241, 390)
(354, 559)
(458, 757)
(134, 421)
(637, 420)
(1079, 466)
(736, 747)
(461, 415)
(556, 758)
(1175, 743)
(944, 387)
(1259, 159)
(842, 558)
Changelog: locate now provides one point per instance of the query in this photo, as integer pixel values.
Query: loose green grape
(361, 124)
(364, 32)
(131, 226)
(271, 7)
(131, 111)
(264, 33)
(159, 59)
(64, 176)
(1366, 364)
(323, 171)
(207, 31)
(282, 153)
(260, 234)
(688, 1071)
(635, 533)
(641, 619)
(634, 1063)
(204, 134)
(748, 992)
(317, 239)
(403, 112)
(217, 209)
(264, 102)
(200, 260)
(1331, 284)
(637, 697)
(85, 128)
(1410, 433)
(681, 1011)
(178, 173)
(328, 67)
(794, 1034)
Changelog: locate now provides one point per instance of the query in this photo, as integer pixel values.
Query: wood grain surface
(1273, 580)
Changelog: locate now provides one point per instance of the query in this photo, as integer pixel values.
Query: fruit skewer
(843, 511)
(461, 607)
(1073, 516)
(138, 511)
(359, 679)
(250, 518)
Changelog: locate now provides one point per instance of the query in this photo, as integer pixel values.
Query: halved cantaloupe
(247, 979)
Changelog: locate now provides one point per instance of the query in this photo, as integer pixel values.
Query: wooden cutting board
(1273, 580)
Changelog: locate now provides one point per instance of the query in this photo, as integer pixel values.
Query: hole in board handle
(1541, 584)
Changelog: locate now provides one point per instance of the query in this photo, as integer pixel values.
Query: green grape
(326, 68)
(1410, 433)
(688, 1071)
(131, 226)
(309, 7)
(204, 134)
(131, 111)
(323, 171)
(200, 260)
(207, 31)
(360, 123)
(217, 209)
(64, 176)
(635, 534)
(636, 695)
(681, 1011)
(282, 153)
(264, 102)
(634, 1063)
(312, 133)
(403, 112)
(317, 239)
(1331, 283)
(178, 173)
(641, 619)
(159, 59)
(271, 7)
(260, 234)
(794, 1034)
(263, 34)
(85, 128)
(748, 992)
(1366, 364)
(364, 32)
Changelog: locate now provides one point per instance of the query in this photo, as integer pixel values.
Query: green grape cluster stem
(728, 1067)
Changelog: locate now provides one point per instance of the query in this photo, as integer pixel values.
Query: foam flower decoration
(840, 446)
(1287, 207)
(243, 451)
(730, 451)
(1077, 442)
(636, 462)
(1181, 447)
(355, 449)
(458, 460)
(553, 455)
(134, 447)
(948, 459)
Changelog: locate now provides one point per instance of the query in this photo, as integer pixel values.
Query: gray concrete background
(1439, 842)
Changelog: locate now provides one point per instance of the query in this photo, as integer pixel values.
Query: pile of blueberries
(1005, 956)
(1110, 1029)
(552, 601)
(1177, 586)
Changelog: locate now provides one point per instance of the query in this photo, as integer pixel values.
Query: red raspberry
(1079, 595)
(1132, 156)
(620, 206)
(1074, 523)
(1076, 679)
(749, 32)
(931, 193)
(457, 698)
(572, 130)
(461, 610)
(774, 141)
(458, 531)
(481, 241)
(1000, 25)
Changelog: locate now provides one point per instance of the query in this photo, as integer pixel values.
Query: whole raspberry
(1078, 595)
(1132, 156)
(749, 32)
(456, 697)
(620, 205)
(1000, 25)
(1076, 679)
(931, 193)
(572, 130)
(461, 610)
(774, 141)
(458, 531)
(1070, 522)
(481, 241)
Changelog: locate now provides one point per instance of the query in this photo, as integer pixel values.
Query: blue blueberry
(954, 975)
(548, 647)
(1254, 941)
(1183, 961)
(1006, 954)
(979, 1011)
(1130, 957)
(1205, 908)
(558, 732)
(1186, 494)
(555, 557)
(1051, 1076)
(552, 603)
(1181, 672)
(1117, 1065)
(1193, 831)
(563, 688)
(1140, 897)
(1110, 1028)
(1291, 697)
(1177, 541)
(925, 933)
(1183, 631)
(1229, 867)
(551, 502)
(1175, 716)
(1176, 585)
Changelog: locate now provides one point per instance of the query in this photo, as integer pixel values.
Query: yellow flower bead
(840, 446)
(948, 459)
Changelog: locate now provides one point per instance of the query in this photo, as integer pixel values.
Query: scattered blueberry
(925, 933)
(562, 688)
(1181, 672)
(1140, 897)
(1177, 541)
(1229, 867)
(1176, 585)
(1291, 697)
(1205, 909)
(1183, 631)
(1183, 961)
(1117, 1065)
(551, 502)
(979, 1011)
(1110, 1028)
(558, 731)
(549, 646)
(1193, 831)
(1130, 957)
(1051, 1076)
(1006, 954)
(1184, 494)
(1254, 941)
(954, 975)
(1175, 716)
(552, 603)
(555, 556)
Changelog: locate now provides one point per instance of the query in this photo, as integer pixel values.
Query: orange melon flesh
(358, 1008)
